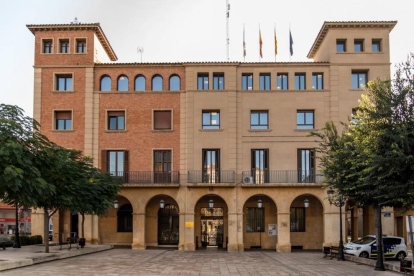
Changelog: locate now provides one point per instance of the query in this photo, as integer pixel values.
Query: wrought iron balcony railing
(266, 176)
(215, 176)
(148, 177)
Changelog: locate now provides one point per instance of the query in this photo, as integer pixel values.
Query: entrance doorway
(212, 227)
(168, 225)
(74, 224)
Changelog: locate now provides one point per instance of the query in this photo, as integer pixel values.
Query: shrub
(7, 240)
(39, 239)
(33, 240)
(27, 240)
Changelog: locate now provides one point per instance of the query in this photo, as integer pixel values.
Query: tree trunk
(83, 225)
(46, 230)
(16, 243)
(378, 233)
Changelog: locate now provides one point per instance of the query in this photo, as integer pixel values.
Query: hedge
(29, 240)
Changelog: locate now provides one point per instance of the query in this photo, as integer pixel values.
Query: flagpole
(260, 46)
(244, 46)
(275, 43)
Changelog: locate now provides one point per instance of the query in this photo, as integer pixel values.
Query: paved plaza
(165, 262)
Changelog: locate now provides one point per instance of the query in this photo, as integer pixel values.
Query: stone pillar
(283, 232)
(38, 226)
(91, 228)
(138, 235)
(240, 241)
(189, 236)
(354, 224)
(181, 232)
(232, 232)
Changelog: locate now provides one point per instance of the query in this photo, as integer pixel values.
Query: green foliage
(27, 240)
(33, 240)
(39, 239)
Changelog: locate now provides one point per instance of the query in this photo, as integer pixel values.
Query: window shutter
(116, 113)
(299, 159)
(104, 161)
(63, 115)
(162, 119)
(126, 166)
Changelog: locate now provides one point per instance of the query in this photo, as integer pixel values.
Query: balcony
(283, 178)
(148, 178)
(218, 178)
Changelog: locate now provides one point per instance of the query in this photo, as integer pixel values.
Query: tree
(372, 160)
(21, 182)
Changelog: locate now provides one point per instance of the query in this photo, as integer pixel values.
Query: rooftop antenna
(227, 30)
(75, 21)
(140, 50)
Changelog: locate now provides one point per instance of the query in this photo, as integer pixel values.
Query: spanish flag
(260, 43)
(275, 43)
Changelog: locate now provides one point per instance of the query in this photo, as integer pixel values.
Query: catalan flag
(260, 43)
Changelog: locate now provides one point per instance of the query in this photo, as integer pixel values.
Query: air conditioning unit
(248, 180)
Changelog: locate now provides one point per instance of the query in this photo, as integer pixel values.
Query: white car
(394, 247)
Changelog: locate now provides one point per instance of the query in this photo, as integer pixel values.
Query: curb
(370, 262)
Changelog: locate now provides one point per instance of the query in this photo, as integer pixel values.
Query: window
(162, 120)
(340, 45)
(247, 82)
(317, 81)
(211, 119)
(282, 81)
(63, 120)
(358, 45)
(260, 166)
(255, 220)
(297, 219)
(300, 81)
(304, 119)
(354, 118)
(139, 83)
(218, 81)
(306, 166)
(116, 162)
(81, 45)
(156, 83)
(106, 83)
(64, 82)
(211, 166)
(124, 216)
(175, 83)
(64, 46)
(264, 81)
(47, 46)
(359, 79)
(162, 166)
(116, 120)
(122, 83)
(376, 45)
(259, 120)
(202, 81)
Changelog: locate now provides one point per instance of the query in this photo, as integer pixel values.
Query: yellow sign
(189, 224)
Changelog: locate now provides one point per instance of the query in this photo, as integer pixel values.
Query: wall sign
(272, 229)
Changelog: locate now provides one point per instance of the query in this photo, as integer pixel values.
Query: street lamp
(259, 203)
(306, 203)
(339, 201)
(116, 204)
(211, 203)
(162, 204)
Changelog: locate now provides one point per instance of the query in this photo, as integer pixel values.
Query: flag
(244, 44)
(291, 43)
(260, 43)
(275, 43)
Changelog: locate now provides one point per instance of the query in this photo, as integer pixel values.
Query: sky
(187, 30)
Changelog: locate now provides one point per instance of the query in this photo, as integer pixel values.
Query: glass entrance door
(212, 227)
(168, 225)
(162, 166)
(211, 166)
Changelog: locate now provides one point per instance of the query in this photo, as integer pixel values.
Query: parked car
(394, 247)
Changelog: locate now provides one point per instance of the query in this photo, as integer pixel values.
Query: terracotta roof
(82, 26)
(208, 63)
(346, 24)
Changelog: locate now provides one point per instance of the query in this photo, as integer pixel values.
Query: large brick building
(201, 145)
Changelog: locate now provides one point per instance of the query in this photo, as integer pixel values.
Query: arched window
(124, 216)
(157, 83)
(175, 83)
(105, 83)
(123, 83)
(140, 83)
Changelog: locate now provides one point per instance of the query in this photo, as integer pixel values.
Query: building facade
(213, 154)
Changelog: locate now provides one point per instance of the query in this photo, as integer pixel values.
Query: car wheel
(364, 255)
(400, 256)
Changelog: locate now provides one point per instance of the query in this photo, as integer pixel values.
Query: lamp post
(339, 201)
(116, 204)
(211, 203)
(259, 205)
(162, 204)
(306, 203)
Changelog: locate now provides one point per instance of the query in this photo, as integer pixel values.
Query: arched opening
(123, 83)
(211, 222)
(117, 227)
(175, 83)
(139, 83)
(162, 222)
(105, 84)
(156, 84)
(306, 223)
(259, 223)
